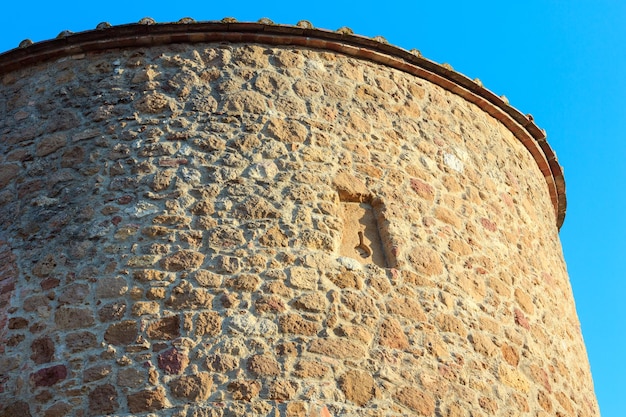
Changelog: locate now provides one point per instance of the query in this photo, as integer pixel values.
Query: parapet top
(147, 32)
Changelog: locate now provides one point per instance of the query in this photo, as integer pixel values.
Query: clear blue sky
(562, 61)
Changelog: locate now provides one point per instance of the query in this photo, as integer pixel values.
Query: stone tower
(246, 219)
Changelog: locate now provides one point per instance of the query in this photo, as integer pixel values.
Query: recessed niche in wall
(361, 239)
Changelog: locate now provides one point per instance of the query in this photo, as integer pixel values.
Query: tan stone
(390, 334)
(122, 333)
(447, 216)
(310, 369)
(510, 354)
(269, 304)
(147, 401)
(287, 131)
(426, 261)
(296, 409)
(182, 260)
(417, 400)
(245, 282)
(249, 102)
(310, 302)
(146, 275)
(449, 323)
(193, 388)
(274, 237)
(337, 348)
(141, 308)
(244, 390)
(483, 344)
(460, 247)
(355, 332)
(303, 278)
(347, 279)
(350, 188)
(406, 307)
(166, 328)
(262, 365)
(282, 390)
(152, 103)
(513, 378)
(185, 296)
(358, 387)
(524, 301)
(208, 279)
(208, 323)
(359, 303)
(296, 324)
(222, 363)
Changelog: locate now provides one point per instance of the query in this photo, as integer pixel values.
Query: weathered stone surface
(358, 387)
(173, 361)
(274, 237)
(167, 328)
(303, 278)
(337, 348)
(43, 350)
(311, 369)
(122, 333)
(513, 378)
(130, 377)
(261, 365)
(244, 390)
(269, 304)
(73, 318)
(192, 387)
(449, 323)
(185, 296)
(424, 190)
(58, 409)
(310, 302)
(282, 390)
(416, 400)
(347, 279)
(112, 311)
(7, 173)
(111, 287)
(96, 373)
(287, 131)
(182, 260)
(426, 261)
(176, 219)
(103, 400)
(77, 342)
(147, 401)
(17, 408)
(296, 324)
(47, 377)
(245, 282)
(483, 344)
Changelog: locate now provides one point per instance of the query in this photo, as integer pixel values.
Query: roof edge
(148, 33)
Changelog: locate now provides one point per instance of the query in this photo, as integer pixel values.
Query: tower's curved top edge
(148, 33)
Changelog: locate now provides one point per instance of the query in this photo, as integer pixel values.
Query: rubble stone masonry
(179, 236)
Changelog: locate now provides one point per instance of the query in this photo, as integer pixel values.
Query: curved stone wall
(181, 237)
